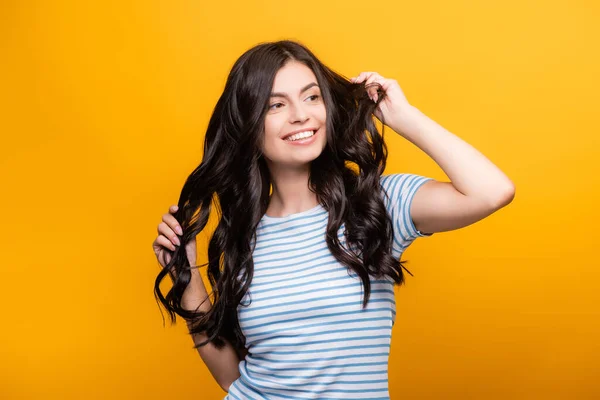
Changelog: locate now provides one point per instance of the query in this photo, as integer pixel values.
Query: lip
(307, 141)
(298, 131)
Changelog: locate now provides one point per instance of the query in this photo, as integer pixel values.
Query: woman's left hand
(394, 108)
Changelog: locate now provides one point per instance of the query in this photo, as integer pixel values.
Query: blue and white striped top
(306, 332)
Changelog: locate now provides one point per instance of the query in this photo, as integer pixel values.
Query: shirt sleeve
(398, 193)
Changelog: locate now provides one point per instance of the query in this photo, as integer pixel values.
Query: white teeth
(300, 135)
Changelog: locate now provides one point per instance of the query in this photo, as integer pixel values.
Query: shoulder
(402, 186)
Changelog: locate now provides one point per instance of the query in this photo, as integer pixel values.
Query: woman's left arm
(477, 189)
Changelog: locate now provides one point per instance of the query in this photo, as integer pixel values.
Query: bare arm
(222, 363)
(477, 189)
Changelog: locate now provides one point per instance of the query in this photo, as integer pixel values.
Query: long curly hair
(233, 177)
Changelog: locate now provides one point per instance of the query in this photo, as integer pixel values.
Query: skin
(292, 109)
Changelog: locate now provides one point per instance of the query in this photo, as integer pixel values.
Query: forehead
(291, 76)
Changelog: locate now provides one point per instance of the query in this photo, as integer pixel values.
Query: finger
(164, 258)
(371, 77)
(176, 227)
(367, 77)
(374, 77)
(355, 79)
(372, 84)
(173, 223)
(371, 90)
(165, 242)
(361, 77)
(166, 230)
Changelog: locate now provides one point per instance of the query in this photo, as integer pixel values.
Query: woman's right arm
(222, 363)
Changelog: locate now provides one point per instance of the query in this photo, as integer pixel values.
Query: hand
(167, 239)
(394, 106)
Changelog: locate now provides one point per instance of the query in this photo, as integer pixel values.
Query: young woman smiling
(310, 236)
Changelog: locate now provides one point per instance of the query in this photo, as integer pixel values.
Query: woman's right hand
(164, 244)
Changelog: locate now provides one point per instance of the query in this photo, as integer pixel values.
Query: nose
(298, 114)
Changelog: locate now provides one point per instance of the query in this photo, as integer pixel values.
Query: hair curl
(234, 177)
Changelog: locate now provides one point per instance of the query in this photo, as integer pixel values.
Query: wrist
(407, 121)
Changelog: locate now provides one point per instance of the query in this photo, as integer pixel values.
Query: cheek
(272, 129)
(270, 134)
(322, 116)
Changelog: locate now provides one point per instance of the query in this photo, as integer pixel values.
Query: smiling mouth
(300, 135)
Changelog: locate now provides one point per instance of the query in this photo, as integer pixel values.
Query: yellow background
(103, 109)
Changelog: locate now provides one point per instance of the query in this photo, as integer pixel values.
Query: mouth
(299, 135)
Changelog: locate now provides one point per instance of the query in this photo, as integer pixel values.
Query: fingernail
(176, 241)
(178, 230)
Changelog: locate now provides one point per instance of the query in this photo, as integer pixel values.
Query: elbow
(505, 196)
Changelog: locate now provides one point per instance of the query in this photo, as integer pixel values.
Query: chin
(305, 160)
(298, 157)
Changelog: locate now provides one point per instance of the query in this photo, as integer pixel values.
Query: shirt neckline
(316, 208)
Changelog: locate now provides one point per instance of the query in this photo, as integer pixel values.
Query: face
(295, 122)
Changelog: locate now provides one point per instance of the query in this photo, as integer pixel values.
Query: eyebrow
(304, 89)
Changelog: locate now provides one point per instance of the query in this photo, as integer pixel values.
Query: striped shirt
(306, 332)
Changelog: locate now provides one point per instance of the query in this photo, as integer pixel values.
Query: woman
(307, 249)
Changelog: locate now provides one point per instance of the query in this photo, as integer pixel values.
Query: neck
(291, 193)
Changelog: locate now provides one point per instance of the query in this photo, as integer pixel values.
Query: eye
(315, 96)
(274, 106)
